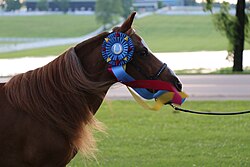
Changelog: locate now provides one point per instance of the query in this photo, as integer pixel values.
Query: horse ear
(127, 23)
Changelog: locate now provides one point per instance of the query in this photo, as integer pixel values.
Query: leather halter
(117, 51)
(154, 77)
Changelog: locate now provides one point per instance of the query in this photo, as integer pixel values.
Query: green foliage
(127, 8)
(234, 27)
(108, 11)
(2, 4)
(160, 4)
(228, 70)
(138, 137)
(12, 5)
(247, 28)
(189, 2)
(208, 6)
(42, 5)
(63, 5)
(226, 24)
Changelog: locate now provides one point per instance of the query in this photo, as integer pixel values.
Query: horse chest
(26, 142)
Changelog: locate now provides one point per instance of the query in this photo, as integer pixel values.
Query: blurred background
(178, 29)
(191, 36)
(41, 28)
(194, 37)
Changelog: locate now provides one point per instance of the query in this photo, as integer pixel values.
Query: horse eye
(144, 52)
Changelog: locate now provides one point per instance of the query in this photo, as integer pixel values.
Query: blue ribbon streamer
(122, 77)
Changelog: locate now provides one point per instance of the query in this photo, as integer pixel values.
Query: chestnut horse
(47, 114)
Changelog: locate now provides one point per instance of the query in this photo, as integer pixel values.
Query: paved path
(208, 60)
(203, 87)
(199, 87)
(217, 87)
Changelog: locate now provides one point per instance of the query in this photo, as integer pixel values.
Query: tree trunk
(239, 41)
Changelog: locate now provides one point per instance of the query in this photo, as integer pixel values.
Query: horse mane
(56, 94)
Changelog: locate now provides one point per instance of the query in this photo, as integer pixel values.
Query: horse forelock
(56, 94)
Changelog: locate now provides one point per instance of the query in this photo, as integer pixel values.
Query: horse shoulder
(24, 141)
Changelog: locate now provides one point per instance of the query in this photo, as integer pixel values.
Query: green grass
(138, 137)
(40, 52)
(162, 33)
(48, 26)
(181, 33)
(7, 43)
(226, 70)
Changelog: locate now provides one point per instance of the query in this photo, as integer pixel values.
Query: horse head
(123, 48)
(144, 65)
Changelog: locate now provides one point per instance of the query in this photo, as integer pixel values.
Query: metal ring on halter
(163, 67)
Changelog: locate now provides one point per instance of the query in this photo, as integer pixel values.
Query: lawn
(47, 26)
(181, 33)
(40, 52)
(162, 33)
(138, 137)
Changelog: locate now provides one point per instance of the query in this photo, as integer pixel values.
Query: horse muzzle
(178, 85)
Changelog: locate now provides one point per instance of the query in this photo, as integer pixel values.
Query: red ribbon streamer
(156, 85)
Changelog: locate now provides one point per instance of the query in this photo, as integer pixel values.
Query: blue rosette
(117, 49)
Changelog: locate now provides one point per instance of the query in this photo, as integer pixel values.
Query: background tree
(240, 30)
(42, 5)
(235, 28)
(62, 5)
(226, 24)
(12, 5)
(2, 5)
(127, 6)
(189, 2)
(209, 6)
(108, 11)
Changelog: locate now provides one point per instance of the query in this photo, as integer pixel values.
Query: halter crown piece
(117, 51)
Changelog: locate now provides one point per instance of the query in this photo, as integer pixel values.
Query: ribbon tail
(166, 97)
(157, 106)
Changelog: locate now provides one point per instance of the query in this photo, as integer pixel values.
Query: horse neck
(60, 93)
(95, 68)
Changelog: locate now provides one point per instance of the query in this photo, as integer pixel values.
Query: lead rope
(208, 113)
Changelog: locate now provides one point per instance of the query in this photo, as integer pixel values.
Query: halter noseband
(163, 67)
(117, 51)
(156, 76)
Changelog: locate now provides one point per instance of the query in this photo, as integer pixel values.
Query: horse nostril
(178, 85)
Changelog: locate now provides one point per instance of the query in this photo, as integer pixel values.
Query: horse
(47, 115)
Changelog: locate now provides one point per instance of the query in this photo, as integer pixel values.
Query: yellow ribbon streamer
(160, 101)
